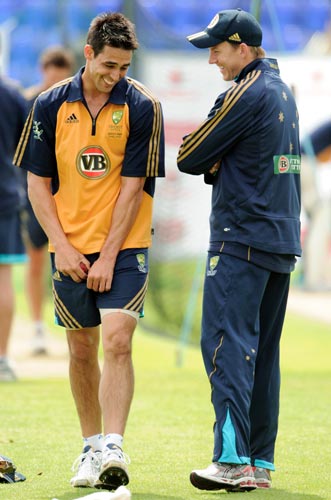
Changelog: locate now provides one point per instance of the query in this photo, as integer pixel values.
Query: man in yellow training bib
(93, 146)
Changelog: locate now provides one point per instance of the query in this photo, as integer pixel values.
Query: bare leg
(84, 374)
(35, 281)
(7, 304)
(317, 248)
(117, 380)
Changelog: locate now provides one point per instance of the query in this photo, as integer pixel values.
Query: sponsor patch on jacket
(287, 164)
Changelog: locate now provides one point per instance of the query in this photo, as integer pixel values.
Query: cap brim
(203, 40)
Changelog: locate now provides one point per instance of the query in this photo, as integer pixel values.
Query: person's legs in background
(7, 305)
(35, 292)
(12, 252)
(35, 277)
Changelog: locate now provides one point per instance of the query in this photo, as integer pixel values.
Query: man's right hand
(70, 262)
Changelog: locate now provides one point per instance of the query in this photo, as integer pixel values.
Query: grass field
(170, 426)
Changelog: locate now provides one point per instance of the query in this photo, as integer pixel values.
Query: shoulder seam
(152, 168)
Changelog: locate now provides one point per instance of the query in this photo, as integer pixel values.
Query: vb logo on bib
(93, 162)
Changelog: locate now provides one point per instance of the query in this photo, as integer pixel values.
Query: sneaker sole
(242, 487)
(264, 486)
(81, 483)
(41, 351)
(112, 478)
(203, 483)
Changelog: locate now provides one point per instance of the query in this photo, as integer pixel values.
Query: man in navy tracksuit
(248, 149)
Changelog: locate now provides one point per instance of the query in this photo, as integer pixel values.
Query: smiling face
(230, 58)
(104, 71)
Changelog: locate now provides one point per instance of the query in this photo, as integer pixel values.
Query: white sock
(116, 439)
(39, 328)
(96, 442)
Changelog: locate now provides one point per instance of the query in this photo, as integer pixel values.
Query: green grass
(169, 289)
(170, 426)
(21, 305)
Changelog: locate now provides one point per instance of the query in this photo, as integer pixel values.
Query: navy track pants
(243, 313)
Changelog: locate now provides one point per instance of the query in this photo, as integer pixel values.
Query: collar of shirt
(262, 64)
(117, 95)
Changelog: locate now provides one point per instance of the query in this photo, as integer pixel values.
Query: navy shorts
(33, 232)
(76, 306)
(12, 249)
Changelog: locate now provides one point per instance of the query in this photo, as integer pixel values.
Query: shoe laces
(234, 469)
(113, 451)
(88, 458)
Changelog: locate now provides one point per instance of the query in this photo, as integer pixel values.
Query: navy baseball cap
(233, 25)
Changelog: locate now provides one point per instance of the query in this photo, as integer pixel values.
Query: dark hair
(112, 29)
(58, 56)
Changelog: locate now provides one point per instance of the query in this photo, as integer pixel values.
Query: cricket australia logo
(37, 132)
(93, 162)
(212, 265)
(117, 116)
(141, 262)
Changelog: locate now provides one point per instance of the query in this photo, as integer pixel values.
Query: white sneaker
(39, 344)
(87, 468)
(113, 471)
(7, 374)
(218, 476)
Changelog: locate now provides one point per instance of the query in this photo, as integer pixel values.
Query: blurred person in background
(248, 148)
(93, 147)
(13, 114)
(316, 152)
(56, 63)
